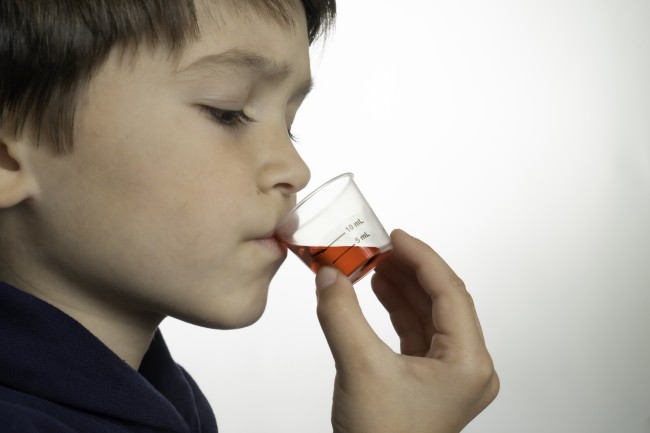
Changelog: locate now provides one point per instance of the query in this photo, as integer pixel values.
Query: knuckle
(328, 307)
(323, 311)
(485, 367)
(469, 298)
(457, 283)
(458, 288)
(480, 371)
(494, 387)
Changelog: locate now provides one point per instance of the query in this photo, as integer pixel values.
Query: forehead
(252, 33)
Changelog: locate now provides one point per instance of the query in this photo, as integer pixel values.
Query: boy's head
(49, 49)
(182, 165)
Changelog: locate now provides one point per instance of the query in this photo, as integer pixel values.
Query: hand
(444, 375)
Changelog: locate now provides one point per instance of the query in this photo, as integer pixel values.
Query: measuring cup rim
(311, 194)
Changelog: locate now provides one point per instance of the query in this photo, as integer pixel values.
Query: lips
(273, 245)
(272, 240)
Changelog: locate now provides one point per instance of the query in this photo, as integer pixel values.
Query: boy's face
(166, 205)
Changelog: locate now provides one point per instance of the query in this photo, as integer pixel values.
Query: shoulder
(16, 418)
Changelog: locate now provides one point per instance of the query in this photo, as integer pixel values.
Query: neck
(125, 332)
(128, 336)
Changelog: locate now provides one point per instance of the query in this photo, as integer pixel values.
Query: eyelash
(233, 119)
(227, 118)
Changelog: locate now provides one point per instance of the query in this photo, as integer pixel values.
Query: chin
(230, 320)
(237, 321)
(237, 312)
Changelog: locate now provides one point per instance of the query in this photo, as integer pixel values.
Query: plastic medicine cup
(335, 226)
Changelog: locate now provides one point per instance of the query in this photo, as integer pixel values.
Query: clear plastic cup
(335, 226)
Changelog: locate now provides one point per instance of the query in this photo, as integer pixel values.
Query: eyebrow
(237, 60)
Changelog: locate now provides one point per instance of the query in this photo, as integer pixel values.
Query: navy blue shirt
(57, 377)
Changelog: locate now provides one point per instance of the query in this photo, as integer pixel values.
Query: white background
(514, 137)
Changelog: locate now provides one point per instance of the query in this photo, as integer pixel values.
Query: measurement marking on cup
(332, 243)
(354, 261)
(343, 253)
(357, 240)
(354, 225)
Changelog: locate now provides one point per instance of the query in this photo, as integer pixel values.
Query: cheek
(159, 200)
(175, 166)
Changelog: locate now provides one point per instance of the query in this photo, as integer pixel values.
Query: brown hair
(49, 49)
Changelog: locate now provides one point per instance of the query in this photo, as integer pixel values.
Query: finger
(414, 336)
(453, 311)
(405, 282)
(348, 334)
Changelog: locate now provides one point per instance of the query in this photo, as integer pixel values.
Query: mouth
(272, 240)
(273, 245)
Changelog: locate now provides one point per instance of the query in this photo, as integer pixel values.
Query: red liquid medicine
(348, 259)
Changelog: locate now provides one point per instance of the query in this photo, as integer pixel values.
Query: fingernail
(405, 232)
(325, 277)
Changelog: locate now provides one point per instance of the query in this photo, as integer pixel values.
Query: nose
(282, 168)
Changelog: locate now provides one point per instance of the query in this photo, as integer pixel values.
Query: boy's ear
(16, 182)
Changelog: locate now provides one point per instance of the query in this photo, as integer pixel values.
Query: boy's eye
(227, 118)
(233, 119)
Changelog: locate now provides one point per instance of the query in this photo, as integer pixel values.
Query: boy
(145, 159)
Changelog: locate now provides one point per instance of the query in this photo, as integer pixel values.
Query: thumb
(347, 331)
